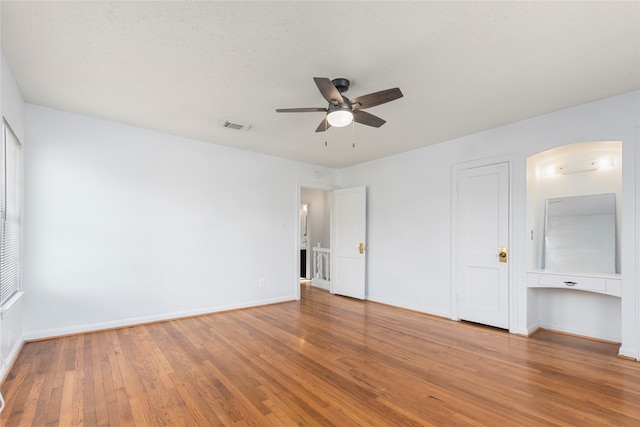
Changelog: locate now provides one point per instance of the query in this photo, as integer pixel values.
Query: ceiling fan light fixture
(340, 118)
(343, 111)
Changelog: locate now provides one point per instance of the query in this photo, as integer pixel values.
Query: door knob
(502, 254)
(361, 248)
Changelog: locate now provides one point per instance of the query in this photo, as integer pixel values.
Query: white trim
(12, 302)
(132, 321)
(415, 308)
(586, 333)
(630, 268)
(514, 267)
(622, 350)
(530, 330)
(322, 284)
(7, 363)
(518, 290)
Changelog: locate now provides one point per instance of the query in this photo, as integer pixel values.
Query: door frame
(636, 307)
(515, 261)
(299, 186)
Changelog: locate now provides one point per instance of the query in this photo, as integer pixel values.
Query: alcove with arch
(574, 195)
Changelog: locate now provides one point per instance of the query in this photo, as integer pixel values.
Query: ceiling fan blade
(328, 90)
(324, 125)
(368, 119)
(376, 98)
(300, 110)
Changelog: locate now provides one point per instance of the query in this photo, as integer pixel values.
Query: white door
(483, 228)
(348, 242)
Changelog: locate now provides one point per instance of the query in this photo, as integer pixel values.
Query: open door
(348, 242)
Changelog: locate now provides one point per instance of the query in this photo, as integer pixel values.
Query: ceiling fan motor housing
(341, 84)
(345, 105)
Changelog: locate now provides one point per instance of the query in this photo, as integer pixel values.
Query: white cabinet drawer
(604, 284)
(596, 284)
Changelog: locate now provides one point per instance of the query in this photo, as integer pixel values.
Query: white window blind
(11, 206)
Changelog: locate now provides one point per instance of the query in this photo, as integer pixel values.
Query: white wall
(125, 225)
(12, 109)
(408, 233)
(409, 209)
(326, 216)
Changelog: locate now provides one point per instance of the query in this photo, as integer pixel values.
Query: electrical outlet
(261, 283)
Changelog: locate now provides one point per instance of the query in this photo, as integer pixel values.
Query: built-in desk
(608, 284)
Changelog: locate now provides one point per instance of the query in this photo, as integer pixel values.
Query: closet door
(483, 236)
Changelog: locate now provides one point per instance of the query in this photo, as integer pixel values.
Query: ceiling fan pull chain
(326, 126)
(353, 127)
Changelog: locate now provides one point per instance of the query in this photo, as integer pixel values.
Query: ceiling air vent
(235, 125)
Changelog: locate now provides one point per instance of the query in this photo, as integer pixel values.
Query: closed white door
(348, 242)
(483, 227)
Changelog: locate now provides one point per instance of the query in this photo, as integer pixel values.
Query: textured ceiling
(184, 67)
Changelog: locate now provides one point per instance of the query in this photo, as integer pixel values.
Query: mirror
(580, 234)
(304, 225)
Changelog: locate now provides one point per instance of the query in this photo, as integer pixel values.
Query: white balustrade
(321, 267)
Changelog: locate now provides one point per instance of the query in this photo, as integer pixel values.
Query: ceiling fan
(342, 110)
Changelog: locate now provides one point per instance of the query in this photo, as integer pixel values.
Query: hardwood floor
(323, 361)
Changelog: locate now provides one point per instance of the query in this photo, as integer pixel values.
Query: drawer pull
(568, 283)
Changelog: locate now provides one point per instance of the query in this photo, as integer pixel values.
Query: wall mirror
(304, 225)
(580, 234)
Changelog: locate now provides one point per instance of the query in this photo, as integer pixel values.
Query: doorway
(305, 247)
(314, 231)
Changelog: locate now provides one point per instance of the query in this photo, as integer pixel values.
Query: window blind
(11, 210)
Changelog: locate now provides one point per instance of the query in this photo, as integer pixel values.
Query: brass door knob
(502, 254)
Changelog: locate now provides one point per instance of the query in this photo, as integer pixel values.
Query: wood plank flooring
(323, 361)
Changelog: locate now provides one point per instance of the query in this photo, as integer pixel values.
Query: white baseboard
(409, 307)
(5, 367)
(322, 284)
(531, 329)
(581, 332)
(132, 321)
(628, 352)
